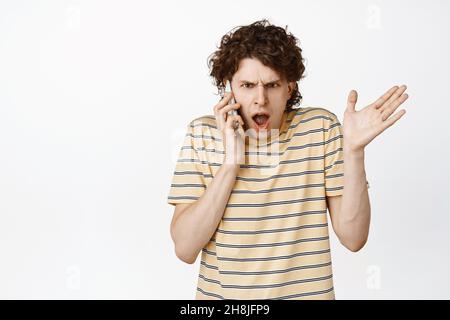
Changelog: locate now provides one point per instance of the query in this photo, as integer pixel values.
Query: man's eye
(271, 85)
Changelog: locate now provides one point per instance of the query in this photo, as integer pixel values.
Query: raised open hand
(361, 127)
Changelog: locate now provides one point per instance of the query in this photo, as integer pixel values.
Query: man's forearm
(354, 214)
(195, 226)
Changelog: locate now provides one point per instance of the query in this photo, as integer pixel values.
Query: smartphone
(232, 101)
(228, 89)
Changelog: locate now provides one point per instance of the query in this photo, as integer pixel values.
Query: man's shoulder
(315, 112)
(204, 122)
(204, 132)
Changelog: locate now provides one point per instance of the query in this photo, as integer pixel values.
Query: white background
(95, 97)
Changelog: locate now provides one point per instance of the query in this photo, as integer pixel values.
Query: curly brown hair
(270, 44)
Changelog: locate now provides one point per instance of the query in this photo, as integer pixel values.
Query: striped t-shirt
(273, 240)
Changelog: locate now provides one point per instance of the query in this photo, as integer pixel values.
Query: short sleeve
(334, 157)
(188, 181)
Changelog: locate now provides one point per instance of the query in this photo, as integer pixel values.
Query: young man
(254, 200)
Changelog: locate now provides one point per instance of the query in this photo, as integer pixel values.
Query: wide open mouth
(261, 121)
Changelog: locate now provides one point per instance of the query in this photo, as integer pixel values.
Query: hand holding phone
(231, 127)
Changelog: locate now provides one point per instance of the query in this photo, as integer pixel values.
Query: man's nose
(261, 95)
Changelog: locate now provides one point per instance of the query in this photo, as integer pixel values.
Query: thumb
(351, 100)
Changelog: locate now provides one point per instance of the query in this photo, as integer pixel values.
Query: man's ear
(291, 87)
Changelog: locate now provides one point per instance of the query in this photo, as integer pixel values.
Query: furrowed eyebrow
(271, 82)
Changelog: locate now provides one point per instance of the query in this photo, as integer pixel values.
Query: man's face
(260, 90)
